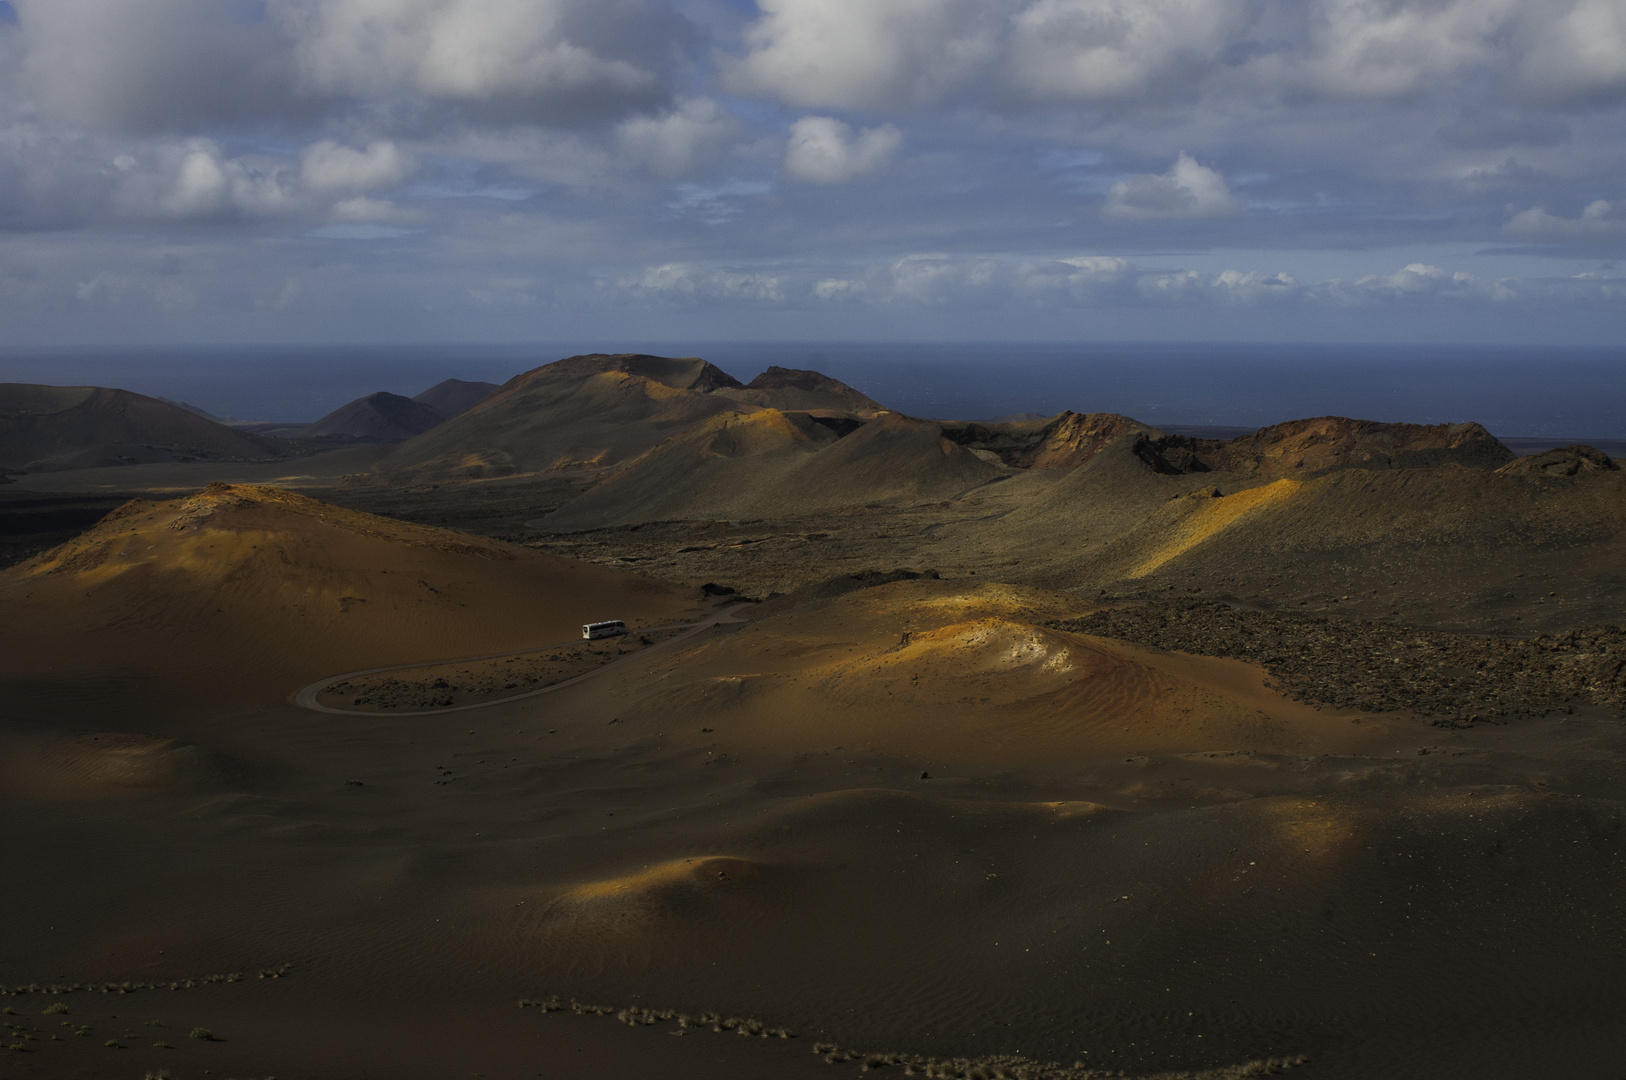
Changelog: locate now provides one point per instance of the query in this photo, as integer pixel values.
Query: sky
(378, 171)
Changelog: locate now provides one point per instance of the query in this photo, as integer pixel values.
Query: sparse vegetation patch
(1456, 679)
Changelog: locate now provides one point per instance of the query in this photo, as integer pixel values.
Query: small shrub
(56, 1008)
(163, 1046)
(202, 1033)
(113, 1043)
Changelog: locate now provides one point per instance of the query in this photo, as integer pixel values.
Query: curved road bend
(306, 698)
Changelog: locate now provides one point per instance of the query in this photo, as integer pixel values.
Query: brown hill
(1562, 461)
(794, 389)
(73, 427)
(379, 417)
(1060, 442)
(771, 463)
(251, 592)
(584, 412)
(1451, 546)
(454, 396)
(1330, 442)
(972, 678)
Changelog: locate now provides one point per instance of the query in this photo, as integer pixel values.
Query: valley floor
(1206, 822)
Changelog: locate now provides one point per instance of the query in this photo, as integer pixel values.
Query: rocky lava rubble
(1455, 679)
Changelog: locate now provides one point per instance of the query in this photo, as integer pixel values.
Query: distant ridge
(801, 390)
(1324, 443)
(380, 417)
(599, 411)
(454, 396)
(79, 427)
(242, 591)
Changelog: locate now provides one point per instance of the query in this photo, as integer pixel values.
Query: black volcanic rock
(380, 417)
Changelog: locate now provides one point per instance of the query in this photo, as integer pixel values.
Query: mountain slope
(775, 464)
(1324, 443)
(378, 417)
(584, 412)
(454, 396)
(251, 592)
(794, 389)
(70, 427)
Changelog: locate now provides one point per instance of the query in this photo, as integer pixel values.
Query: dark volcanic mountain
(582, 413)
(793, 389)
(380, 417)
(1332, 442)
(76, 427)
(454, 396)
(771, 463)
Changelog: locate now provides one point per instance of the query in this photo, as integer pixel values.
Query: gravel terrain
(1456, 679)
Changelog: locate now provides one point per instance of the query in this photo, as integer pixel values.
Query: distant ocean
(1513, 391)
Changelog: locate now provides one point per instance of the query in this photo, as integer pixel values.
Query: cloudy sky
(504, 170)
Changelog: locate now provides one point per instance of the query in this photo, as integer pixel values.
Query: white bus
(608, 628)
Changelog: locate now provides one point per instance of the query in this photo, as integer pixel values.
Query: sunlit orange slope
(251, 592)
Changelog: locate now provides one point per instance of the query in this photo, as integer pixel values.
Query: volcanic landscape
(1052, 748)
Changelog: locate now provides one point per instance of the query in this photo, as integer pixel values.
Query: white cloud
(686, 280)
(858, 53)
(328, 166)
(1579, 51)
(196, 180)
(863, 52)
(823, 150)
(163, 63)
(1600, 218)
(675, 142)
(1364, 49)
(580, 56)
(1422, 281)
(836, 289)
(1187, 190)
(1104, 49)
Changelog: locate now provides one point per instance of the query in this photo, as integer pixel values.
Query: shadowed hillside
(792, 389)
(380, 417)
(78, 427)
(585, 412)
(453, 396)
(768, 463)
(247, 591)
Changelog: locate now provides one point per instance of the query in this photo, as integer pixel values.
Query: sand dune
(247, 592)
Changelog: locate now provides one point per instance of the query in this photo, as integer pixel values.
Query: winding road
(306, 698)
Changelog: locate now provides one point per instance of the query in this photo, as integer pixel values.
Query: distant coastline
(1532, 394)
